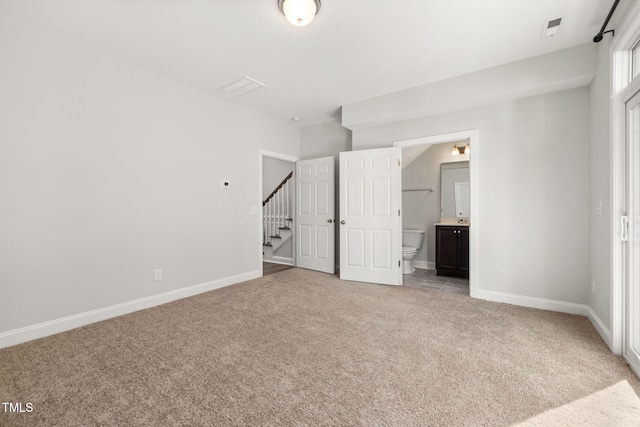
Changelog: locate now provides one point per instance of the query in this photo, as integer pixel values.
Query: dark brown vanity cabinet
(452, 250)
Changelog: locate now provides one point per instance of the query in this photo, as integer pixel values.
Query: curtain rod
(600, 35)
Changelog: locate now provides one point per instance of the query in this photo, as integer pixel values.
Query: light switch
(254, 210)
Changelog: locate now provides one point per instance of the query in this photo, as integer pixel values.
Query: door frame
(622, 88)
(472, 135)
(259, 221)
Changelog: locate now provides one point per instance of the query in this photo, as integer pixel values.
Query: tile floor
(421, 278)
(427, 279)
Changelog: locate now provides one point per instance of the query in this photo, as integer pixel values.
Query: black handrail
(600, 35)
(287, 178)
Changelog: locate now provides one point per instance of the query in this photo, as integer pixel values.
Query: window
(635, 60)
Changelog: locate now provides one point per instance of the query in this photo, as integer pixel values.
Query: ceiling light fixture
(299, 12)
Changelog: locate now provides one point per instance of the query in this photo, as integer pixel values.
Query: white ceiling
(353, 50)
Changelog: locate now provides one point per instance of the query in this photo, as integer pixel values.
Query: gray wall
(533, 173)
(108, 171)
(325, 139)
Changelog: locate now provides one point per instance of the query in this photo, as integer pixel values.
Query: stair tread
(276, 237)
(284, 228)
(267, 244)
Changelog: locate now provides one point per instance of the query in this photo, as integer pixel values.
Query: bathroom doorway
(423, 205)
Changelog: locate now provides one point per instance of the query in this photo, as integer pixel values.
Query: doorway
(274, 218)
(451, 139)
(630, 233)
(625, 193)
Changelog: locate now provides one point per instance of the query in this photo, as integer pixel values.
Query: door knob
(329, 221)
(342, 222)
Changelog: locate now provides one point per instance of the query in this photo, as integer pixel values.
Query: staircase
(277, 221)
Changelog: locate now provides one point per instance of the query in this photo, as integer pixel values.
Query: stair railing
(276, 211)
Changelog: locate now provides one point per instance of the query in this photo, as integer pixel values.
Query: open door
(315, 213)
(370, 221)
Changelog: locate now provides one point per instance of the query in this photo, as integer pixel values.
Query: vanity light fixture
(460, 150)
(299, 12)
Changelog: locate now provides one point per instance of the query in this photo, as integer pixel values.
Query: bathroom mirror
(454, 189)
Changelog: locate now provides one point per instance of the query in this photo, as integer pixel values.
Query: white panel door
(370, 222)
(315, 213)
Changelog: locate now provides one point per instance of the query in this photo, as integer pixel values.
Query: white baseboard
(604, 332)
(534, 302)
(429, 265)
(51, 327)
(551, 305)
(280, 260)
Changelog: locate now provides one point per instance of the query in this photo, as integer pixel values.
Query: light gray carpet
(303, 348)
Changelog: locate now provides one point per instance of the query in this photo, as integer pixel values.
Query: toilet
(411, 242)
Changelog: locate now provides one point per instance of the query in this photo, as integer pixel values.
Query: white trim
(51, 327)
(617, 151)
(625, 37)
(286, 158)
(602, 329)
(429, 265)
(280, 260)
(550, 305)
(534, 302)
(473, 136)
(436, 139)
(279, 156)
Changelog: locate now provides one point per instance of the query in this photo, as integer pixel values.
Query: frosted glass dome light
(299, 12)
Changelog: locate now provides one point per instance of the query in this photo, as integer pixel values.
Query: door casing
(258, 206)
(472, 135)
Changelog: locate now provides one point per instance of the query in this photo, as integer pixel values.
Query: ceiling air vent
(241, 87)
(551, 27)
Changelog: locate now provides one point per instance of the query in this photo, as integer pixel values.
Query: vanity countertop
(452, 224)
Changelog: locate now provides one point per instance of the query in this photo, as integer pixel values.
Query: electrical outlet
(157, 274)
(225, 184)
(593, 287)
(599, 208)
